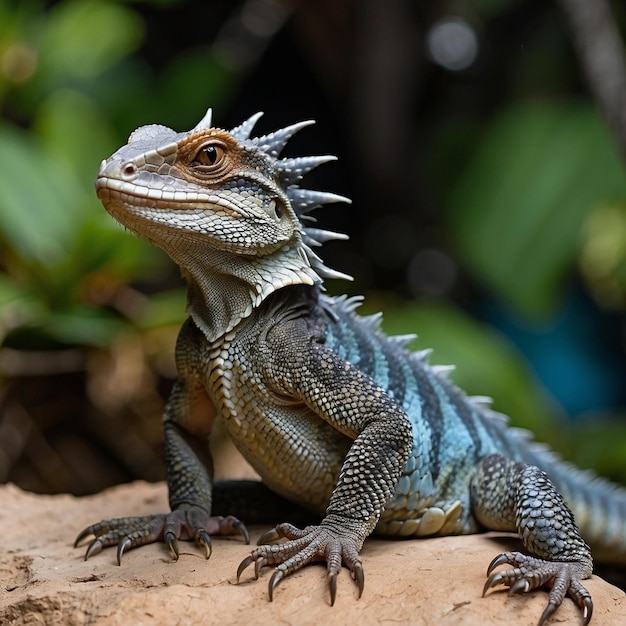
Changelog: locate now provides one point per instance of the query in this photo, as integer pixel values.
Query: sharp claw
(359, 577)
(530, 572)
(587, 610)
(547, 612)
(170, 540)
(277, 576)
(83, 534)
(121, 547)
(269, 537)
(94, 547)
(204, 539)
(243, 565)
(332, 586)
(519, 586)
(501, 559)
(258, 564)
(492, 581)
(241, 527)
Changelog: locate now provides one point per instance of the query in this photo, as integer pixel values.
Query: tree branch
(602, 56)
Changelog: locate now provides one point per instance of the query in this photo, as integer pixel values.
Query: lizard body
(334, 415)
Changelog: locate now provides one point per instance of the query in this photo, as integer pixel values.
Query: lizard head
(224, 205)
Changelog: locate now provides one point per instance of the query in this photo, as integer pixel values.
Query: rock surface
(430, 581)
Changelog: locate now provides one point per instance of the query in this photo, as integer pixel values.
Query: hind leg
(512, 496)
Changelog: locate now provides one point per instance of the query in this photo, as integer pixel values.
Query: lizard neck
(225, 288)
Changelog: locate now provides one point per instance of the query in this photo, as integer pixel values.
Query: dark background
(480, 141)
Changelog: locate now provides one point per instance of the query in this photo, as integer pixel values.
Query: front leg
(512, 496)
(187, 425)
(349, 400)
(190, 517)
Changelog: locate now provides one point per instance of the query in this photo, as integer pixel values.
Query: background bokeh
(477, 139)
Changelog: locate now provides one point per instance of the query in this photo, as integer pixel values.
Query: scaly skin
(337, 418)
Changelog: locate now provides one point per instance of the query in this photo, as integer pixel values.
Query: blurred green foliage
(65, 80)
(518, 208)
(69, 275)
(62, 259)
(532, 194)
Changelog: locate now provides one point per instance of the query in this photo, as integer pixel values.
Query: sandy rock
(430, 581)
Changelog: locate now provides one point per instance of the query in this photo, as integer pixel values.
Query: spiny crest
(443, 370)
(481, 401)
(274, 143)
(242, 132)
(289, 172)
(292, 171)
(404, 340)
(204, 123)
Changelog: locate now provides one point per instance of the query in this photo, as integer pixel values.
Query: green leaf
(599, 442)
(17, 306)
(519, 205)
(83, 326)
(40, 202)
(84, 38)
(74, 129)
(167, 308)
(101, 243)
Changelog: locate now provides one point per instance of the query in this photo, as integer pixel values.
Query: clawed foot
(563, 578)
(314, 543)
(183, 524)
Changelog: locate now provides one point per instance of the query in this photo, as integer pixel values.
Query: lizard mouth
(131, 196)
(189, 216)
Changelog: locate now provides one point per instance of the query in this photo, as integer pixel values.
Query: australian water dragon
(334, 415)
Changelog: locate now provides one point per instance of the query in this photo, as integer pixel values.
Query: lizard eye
(210, 155)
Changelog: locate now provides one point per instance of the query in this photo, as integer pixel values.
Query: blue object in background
(577, 354)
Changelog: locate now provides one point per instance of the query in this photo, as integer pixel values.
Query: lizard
(335, 416)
